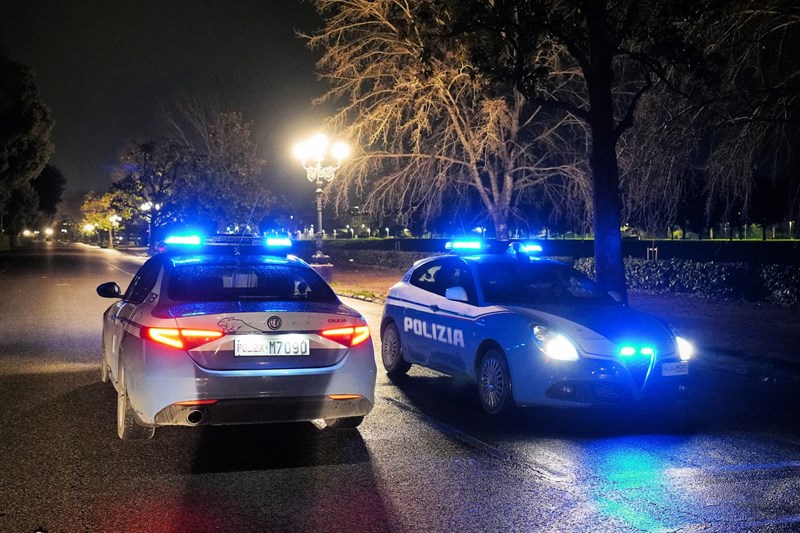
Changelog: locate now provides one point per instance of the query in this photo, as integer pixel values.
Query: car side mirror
(457, 294)
(109, 290)
(617, 297)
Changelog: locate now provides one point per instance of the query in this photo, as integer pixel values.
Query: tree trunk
(609, 268)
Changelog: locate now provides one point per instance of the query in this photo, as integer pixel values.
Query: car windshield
(231, 282)
(519, 283)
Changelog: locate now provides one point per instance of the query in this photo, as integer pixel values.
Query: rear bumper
(259, 411)
(164, 377)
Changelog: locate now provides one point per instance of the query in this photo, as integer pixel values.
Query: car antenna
(247, 225)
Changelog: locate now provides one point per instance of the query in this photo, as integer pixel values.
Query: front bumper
(589, 382)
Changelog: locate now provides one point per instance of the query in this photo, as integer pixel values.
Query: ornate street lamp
(316, 149)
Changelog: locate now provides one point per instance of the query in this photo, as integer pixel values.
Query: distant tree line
(204, 171)
(30, 190)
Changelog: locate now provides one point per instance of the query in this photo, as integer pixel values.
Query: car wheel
(392, 352)
(494, 382)
(127, 428)
(343, 423)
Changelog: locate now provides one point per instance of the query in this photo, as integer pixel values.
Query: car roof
(501, 259)
(228, 255)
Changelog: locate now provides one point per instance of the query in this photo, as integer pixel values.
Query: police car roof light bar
(278, 242)
(192, 240)
(464, 246)
(523, 250)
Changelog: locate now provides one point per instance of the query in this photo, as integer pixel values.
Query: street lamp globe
(316, 149)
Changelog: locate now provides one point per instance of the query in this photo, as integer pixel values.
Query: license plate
(675, 369)
(274, 345)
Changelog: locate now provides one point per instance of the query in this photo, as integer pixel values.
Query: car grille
(610, 391)
(639, 370)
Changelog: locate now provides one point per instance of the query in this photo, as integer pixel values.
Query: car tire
(127, 427)
(494, 382)
(344, 423)
(392, 352)
(103, 371)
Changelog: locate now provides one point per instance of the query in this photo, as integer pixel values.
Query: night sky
(104, 67)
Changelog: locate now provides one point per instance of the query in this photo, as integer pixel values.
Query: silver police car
(529, 331)
(233, 332)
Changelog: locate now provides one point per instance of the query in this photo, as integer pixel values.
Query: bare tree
(620, 50)
(227, 169)
(431, 128)
(717, 135)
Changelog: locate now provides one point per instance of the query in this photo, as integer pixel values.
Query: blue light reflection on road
(626, 467)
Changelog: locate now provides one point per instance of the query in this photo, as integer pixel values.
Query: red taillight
(181, 338)
(195, 403)
(350, 336)
(341, 397)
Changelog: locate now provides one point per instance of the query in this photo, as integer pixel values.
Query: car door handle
(435, 308)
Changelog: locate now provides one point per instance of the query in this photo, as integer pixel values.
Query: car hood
(602, 329)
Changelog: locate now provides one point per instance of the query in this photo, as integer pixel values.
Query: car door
(125, 310)
(436, 327)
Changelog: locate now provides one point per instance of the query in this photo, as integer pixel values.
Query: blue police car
(529, 331)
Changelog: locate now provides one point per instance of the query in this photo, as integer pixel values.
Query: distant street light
(146, 207)
(316, 149)
(115, 219)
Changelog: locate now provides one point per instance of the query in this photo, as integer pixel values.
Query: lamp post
(316, 149)
(115, 219)
(146, 208)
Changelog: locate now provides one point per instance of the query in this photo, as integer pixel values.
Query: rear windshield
(230, 282)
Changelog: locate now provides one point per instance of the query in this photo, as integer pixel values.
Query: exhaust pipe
(194, 417)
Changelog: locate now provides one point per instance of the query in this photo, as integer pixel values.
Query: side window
(143, 282)
(438, 276)
(427, 277)
(462, 276)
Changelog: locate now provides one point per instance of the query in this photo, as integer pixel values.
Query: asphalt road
(426, 458)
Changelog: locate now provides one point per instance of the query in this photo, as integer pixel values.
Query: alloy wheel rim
(492, 382)
(390, 347)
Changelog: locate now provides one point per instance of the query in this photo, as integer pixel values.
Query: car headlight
(685, 348)
(554, 344)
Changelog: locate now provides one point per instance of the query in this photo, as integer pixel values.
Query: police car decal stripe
(488, 311)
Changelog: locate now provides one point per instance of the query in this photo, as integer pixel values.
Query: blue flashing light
(630, 351)
(523, 250)
(278, 242)
(461, 246)
(530, 248)
(193, 240)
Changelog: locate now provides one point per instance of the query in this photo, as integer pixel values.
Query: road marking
(118, 268)
(539, 470)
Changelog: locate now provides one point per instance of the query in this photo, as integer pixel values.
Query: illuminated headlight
(685, 348)
(554, 344)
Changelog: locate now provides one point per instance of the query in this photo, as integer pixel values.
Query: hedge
(778, 284)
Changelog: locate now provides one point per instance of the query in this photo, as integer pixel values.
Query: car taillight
(350, 336)
(181, 338)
